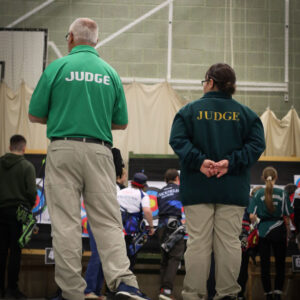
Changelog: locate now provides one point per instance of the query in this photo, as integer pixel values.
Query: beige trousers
(212, 228)
(74, 169)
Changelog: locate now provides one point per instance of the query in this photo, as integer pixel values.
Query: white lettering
(71, 77)
(98, 78)
(77, 76)
(106, 80)
(89, 76)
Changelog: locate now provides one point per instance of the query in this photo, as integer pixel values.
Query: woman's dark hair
(223, 76)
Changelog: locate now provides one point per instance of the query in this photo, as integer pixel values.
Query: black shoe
(110, 295)
(14, 294)
(56, 296)
(59, 297)
(269, 296)
(277, 296)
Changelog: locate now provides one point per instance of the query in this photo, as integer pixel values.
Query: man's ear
(211, 83)
(23, 149)
(71, 37)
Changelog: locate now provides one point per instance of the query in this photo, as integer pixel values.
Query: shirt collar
(217, 94)
(84, 48)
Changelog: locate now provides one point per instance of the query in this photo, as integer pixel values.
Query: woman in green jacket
(217, 140)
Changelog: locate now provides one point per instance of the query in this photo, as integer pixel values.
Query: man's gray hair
(84, 30)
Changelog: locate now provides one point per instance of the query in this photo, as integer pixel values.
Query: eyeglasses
(202, 81)
(67, 36)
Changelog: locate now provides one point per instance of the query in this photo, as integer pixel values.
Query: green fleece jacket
(17, 181)
(216, 127)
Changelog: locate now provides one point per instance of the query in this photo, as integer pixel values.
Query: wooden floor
(37, 278)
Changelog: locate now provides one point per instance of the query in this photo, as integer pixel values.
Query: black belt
(84, 140)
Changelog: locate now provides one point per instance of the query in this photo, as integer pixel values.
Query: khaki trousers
(74, 169)
(212, 228)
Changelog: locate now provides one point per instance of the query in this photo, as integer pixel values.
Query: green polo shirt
(81, 95)
(269, 221)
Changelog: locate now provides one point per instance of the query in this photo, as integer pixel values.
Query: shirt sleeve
(288, 206)
(252, 149)
(296, 196)
(252, 208)
(40, 99)
(120, 114)
(146, 201)
(181, 143)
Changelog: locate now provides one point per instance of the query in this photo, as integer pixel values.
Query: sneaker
(14, 294)
(125, 292)
(166, 294)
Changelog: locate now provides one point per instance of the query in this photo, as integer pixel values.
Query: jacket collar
(84, 48)
(217, 94)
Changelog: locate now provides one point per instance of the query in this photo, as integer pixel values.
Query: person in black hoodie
(17, 187)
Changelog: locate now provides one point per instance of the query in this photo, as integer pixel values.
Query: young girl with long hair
(270, 205)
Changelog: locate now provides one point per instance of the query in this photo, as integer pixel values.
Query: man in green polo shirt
(81, 99)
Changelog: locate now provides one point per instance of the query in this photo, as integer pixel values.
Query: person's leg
(199, 222)
(162, 235)
(211, 281)
(227, 249)
(279, 249)
(163, 267)
(131, 257)
(94, 274)
(173, 260)
(63, 186)
(14, 262)
(243, 276)
(265, 253)
(4, 231)
(104, 215)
